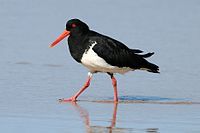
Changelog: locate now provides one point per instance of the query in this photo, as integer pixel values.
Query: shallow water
(33, 77)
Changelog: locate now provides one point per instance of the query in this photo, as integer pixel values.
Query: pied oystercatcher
(100, 53)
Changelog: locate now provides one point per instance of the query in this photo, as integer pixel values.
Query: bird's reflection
(105, 129)
(91, 129)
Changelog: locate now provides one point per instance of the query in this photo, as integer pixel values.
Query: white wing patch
(97, 64)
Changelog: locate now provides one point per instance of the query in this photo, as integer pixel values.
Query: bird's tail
(144, 64)
(152, 67)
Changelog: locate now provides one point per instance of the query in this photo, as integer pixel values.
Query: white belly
(97, 64)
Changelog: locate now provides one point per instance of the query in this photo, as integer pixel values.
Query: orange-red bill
(61, 37)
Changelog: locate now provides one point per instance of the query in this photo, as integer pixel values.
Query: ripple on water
(52, 65)
(23, 63)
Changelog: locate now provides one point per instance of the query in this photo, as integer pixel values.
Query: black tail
(152, 68)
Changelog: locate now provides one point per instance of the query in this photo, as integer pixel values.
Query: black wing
(116, 53)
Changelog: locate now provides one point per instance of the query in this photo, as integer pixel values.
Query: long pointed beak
(61, 37)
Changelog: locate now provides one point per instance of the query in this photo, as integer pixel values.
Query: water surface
(33, 77)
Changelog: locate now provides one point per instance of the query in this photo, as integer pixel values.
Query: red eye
(73, 25)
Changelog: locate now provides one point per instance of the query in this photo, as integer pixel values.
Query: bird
(100, 53)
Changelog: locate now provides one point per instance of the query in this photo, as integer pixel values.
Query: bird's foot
(71, 99)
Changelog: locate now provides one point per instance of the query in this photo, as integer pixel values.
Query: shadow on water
(146, 99)
(155, 100)
(112, 128)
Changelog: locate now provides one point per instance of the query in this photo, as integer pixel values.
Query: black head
(76, 26)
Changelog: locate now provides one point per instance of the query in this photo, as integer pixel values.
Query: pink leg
(114, 83)
(86, 85)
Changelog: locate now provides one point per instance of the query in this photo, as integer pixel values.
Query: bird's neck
(77, 45)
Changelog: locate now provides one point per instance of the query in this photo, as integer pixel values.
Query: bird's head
(73, 27)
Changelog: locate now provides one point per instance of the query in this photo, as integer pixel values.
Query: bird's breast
(76, 48)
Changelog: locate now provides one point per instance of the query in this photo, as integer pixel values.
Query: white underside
(97, 64)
